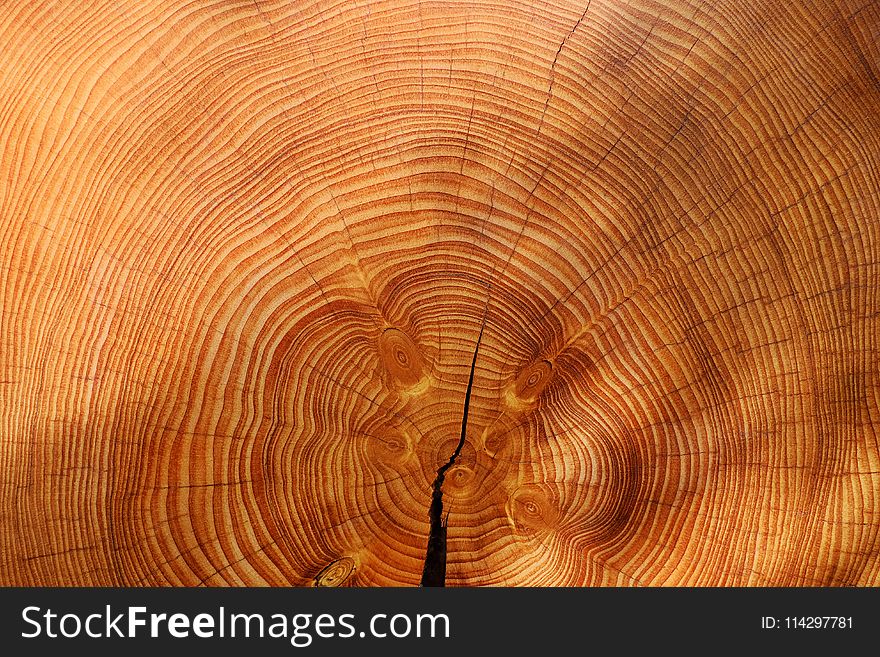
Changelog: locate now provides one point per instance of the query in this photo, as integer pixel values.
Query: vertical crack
(434, 571)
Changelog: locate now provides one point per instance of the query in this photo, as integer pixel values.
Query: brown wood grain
(246, 249)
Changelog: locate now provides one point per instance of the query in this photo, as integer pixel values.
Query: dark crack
(434, 572)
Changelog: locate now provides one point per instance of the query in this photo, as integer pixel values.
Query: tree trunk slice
(247, 248)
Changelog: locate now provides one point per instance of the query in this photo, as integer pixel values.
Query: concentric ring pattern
(247, 248)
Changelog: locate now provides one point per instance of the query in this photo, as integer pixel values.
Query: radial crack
(434, 572)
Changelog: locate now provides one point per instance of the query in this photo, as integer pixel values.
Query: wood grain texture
(246, 249)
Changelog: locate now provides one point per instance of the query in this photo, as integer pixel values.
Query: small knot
(402, 359)
(529, 385)
(336, 572)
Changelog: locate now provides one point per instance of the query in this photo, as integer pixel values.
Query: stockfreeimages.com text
(300, 629)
